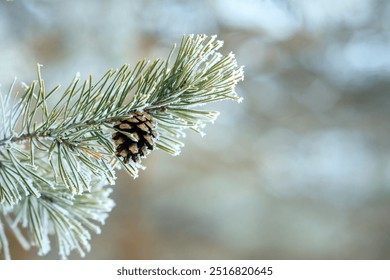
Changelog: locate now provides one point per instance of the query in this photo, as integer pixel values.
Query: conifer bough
(57, 161)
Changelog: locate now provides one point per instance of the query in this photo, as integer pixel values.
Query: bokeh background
(299, 170)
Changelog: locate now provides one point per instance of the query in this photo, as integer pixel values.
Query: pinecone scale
(135, 136)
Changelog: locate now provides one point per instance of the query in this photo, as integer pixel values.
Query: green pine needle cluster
(56, 161)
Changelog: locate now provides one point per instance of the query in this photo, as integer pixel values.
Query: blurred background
(299, 170)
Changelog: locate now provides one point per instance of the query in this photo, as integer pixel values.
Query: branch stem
(51, 132)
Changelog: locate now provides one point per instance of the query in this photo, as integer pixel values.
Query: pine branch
(68, 217)
(62, 149)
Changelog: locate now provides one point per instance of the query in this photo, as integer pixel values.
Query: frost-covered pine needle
(53, 159)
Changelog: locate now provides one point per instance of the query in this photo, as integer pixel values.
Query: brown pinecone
(136, 138)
